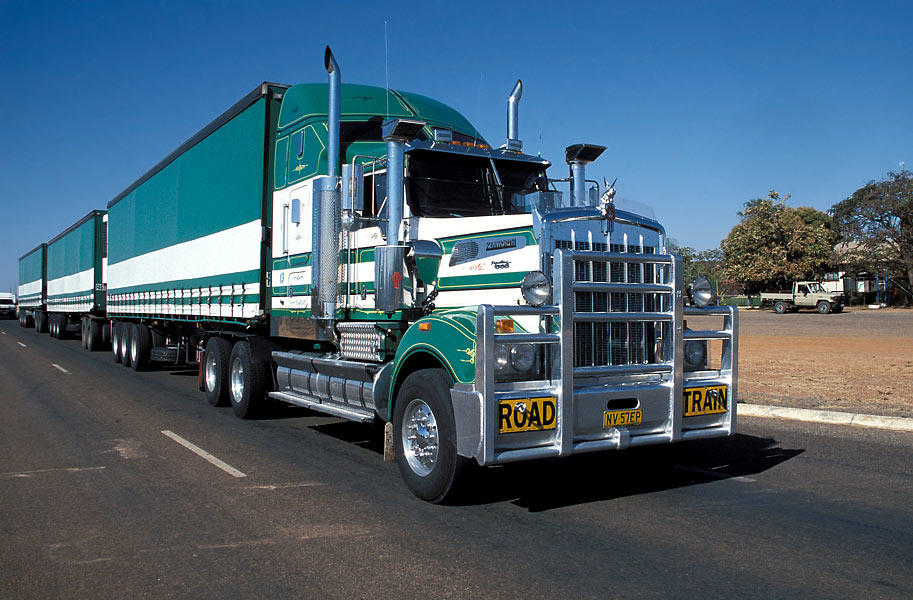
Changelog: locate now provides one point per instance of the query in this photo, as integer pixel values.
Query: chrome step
(350, 413)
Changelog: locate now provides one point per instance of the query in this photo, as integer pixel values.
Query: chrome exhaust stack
(327, 218)
(578, 157)
(333, 112)
(513, 118)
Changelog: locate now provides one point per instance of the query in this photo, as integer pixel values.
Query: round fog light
(502, 357)
(701, 291)
(536, 288)
(522, 357)
(695, 353)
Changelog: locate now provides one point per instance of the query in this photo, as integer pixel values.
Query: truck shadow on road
(556, 483)
(550, 484)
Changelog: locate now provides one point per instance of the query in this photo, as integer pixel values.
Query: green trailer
(33, 288)
(76, 261)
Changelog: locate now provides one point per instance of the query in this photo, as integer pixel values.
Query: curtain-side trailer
(33, 288)
(76, 281)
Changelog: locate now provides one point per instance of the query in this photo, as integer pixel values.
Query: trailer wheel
(124, 344)
(40, 321)
(116, 331)
(84, 332)
(824, 307)
(424, 436)
(94, 335)
(779, 307)
(215, 371)
(54, 326)
(248, 381)
(140, 347)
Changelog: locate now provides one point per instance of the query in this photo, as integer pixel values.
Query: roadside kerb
(826, 416)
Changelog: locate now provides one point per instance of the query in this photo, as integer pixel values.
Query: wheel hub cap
(237, 381)
(420, 437)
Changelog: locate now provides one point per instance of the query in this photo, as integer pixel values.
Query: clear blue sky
(703, 105)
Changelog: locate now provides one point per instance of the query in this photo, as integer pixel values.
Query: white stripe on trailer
(228, 251)
(84, 281)
(32, 287)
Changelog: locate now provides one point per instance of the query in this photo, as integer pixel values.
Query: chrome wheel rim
(210, 372)
(237, 381)
(133, 349)
(123, 345)
(420, 437)
(115, 340)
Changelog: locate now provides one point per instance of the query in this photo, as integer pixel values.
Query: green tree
(775, 244)
(701, 262)
(878, 220)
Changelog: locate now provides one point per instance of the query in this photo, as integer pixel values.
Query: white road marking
(282, 486)
(65, 469)
(61, 369)
(3, 332)
(204, 454)
(21, 344)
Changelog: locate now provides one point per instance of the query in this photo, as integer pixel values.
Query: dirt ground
(858, 361)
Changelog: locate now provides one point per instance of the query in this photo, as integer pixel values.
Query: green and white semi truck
(33, 288)
(366, 254)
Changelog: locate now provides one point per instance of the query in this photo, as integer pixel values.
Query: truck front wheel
(780, 307)
(247, 382)
(424, 435)
(824, 307)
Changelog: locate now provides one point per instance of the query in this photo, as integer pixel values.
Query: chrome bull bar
(476, 405)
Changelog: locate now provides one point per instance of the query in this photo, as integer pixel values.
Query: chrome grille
(598, 344)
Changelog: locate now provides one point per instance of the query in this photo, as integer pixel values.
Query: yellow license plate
(622, 418)
(527, 414)
(708, 400)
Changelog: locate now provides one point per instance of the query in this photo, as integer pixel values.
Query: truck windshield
(440, 184)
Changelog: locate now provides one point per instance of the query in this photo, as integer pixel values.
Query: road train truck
(365, 253)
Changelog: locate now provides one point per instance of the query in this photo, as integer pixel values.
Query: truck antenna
(387, 69)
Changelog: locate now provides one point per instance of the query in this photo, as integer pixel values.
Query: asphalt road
(96, 500)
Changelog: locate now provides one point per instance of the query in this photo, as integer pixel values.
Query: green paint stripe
(239, 278)
(525, 232)
(470, 282)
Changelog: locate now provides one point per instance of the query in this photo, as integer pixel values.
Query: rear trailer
(76, 281)
(33, 286)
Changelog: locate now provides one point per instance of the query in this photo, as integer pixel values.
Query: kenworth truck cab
(450, 290)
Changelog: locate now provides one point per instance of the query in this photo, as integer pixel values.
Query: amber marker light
(504, 326)
(424, 326)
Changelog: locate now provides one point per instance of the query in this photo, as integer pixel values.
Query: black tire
(124, 345)
(434, 480)
(780, 307)
(215, 371)
(40, 320)
(140, 347)
(94, 340)
(53, 326)
(247, 382)
(62, 333)
(116, 331)
(106, 333)
(84, 332)
(824, 307)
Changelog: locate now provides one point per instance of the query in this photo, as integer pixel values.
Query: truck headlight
(536, 288)
(522, 357)
(695, 354)
(701, 291)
